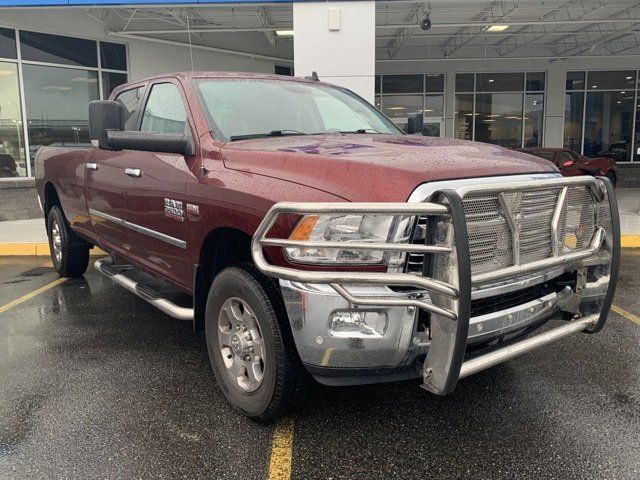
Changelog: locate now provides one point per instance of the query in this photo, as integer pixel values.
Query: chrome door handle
(91, 166)
(133, 172)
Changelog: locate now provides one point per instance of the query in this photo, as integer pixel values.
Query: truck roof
(219, 74)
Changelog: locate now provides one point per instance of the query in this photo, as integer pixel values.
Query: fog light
(358, 323)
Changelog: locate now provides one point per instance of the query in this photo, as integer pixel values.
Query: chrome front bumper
(320, 303)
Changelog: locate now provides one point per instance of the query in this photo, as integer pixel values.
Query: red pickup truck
(313, 239)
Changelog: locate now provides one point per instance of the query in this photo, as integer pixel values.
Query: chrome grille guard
(447, 277)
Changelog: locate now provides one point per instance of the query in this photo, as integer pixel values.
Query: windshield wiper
(272, 133)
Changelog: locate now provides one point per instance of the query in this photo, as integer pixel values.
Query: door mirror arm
(181, 143)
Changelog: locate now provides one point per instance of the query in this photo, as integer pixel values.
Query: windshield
(244, 108)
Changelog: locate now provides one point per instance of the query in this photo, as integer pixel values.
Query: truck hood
(374, 167)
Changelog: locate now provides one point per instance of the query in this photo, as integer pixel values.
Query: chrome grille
(492, 217)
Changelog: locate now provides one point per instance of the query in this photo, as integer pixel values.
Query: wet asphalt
(95, 383)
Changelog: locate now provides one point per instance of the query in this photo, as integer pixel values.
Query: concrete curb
(32, 250)
(42, 249)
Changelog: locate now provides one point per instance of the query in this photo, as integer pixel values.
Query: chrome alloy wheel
(56, 241)
(241, 344)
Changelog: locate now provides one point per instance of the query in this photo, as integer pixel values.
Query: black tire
(285, 382)
(74, 251)
(612, 178)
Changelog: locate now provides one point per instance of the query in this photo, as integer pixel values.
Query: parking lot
(95, 383)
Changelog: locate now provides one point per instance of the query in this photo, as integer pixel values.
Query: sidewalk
(28, 237)
(629, 205)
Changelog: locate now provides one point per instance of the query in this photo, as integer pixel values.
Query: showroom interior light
(284, 33)
(497, 28)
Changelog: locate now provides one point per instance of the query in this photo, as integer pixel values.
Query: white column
(554, 105)
(337, 40)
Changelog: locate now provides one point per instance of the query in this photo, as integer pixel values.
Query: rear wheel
(612, 178)
(250, 347)
(69, 253)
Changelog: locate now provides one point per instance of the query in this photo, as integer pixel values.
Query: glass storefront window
(499, 82)
(464, 82)
(7, 43)
(434, 105)
(56, 100)
(511, 117)
(611, 80)
(113, 56)
(12, 151)
(434, 82)
(402, 83)
(60, 75)
(575, 80)
(498, 119)
(604, 110)
(573, 107)
(110, 81)
(44, 47)
(398, 96)
(463, 117)
(399, 107)
(533, 119)
(535, 81)
(608, 124)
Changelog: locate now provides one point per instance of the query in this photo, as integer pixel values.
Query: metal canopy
(460, 30)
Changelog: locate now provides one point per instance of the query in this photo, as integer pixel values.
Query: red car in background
(571, 164)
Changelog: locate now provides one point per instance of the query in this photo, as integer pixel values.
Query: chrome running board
(147, 293)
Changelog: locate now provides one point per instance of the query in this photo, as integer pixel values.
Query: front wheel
(69, 253)
(250, 347)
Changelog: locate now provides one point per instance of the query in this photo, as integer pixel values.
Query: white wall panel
(346, 56)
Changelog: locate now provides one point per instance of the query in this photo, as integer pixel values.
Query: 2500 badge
(174, 209)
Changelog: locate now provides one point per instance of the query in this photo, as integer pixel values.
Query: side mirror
(104, 116)
(415, 123)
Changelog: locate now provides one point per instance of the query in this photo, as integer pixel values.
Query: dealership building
(517, 74)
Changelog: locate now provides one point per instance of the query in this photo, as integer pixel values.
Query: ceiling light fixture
(497, 28)
(284, 33)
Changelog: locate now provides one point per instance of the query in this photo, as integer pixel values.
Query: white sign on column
(337, 40)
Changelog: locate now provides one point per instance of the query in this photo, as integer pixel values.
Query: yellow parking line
(29, 296)
(327, 357)
(631, 241)
(32, 250)
(281, 451)
(628, 315)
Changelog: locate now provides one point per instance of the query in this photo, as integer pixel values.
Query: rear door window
(130, 100)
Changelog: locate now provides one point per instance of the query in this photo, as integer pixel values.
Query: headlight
(347, 229)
